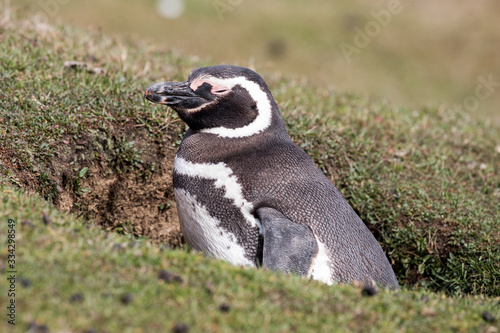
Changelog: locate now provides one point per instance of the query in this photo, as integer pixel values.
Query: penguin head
(229, 101)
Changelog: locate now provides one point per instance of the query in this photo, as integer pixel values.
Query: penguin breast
(214, 215)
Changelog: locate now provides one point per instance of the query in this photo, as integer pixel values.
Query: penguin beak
(169, 93)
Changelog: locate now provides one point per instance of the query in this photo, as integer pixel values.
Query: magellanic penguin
(247, 194)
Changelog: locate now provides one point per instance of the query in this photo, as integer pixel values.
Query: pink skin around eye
(217, 88)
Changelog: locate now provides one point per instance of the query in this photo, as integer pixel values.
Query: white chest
(202, 230)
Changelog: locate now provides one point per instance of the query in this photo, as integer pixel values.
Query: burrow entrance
(120, 179)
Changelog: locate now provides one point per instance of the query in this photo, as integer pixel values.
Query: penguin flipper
(288, 246)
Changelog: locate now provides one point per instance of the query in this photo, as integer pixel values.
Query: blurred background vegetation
(423, 53)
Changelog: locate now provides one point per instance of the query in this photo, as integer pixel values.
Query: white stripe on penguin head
(264, 108)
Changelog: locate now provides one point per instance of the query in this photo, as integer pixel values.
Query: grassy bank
(425, 181)
(426, 51)
(73, 276)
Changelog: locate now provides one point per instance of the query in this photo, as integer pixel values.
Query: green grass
(73, 276)
(425, 181)
(429, 52)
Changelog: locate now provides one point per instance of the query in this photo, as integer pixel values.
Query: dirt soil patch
(121, 181)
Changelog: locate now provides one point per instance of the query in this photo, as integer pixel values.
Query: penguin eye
(215, 87)
(219, 90)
